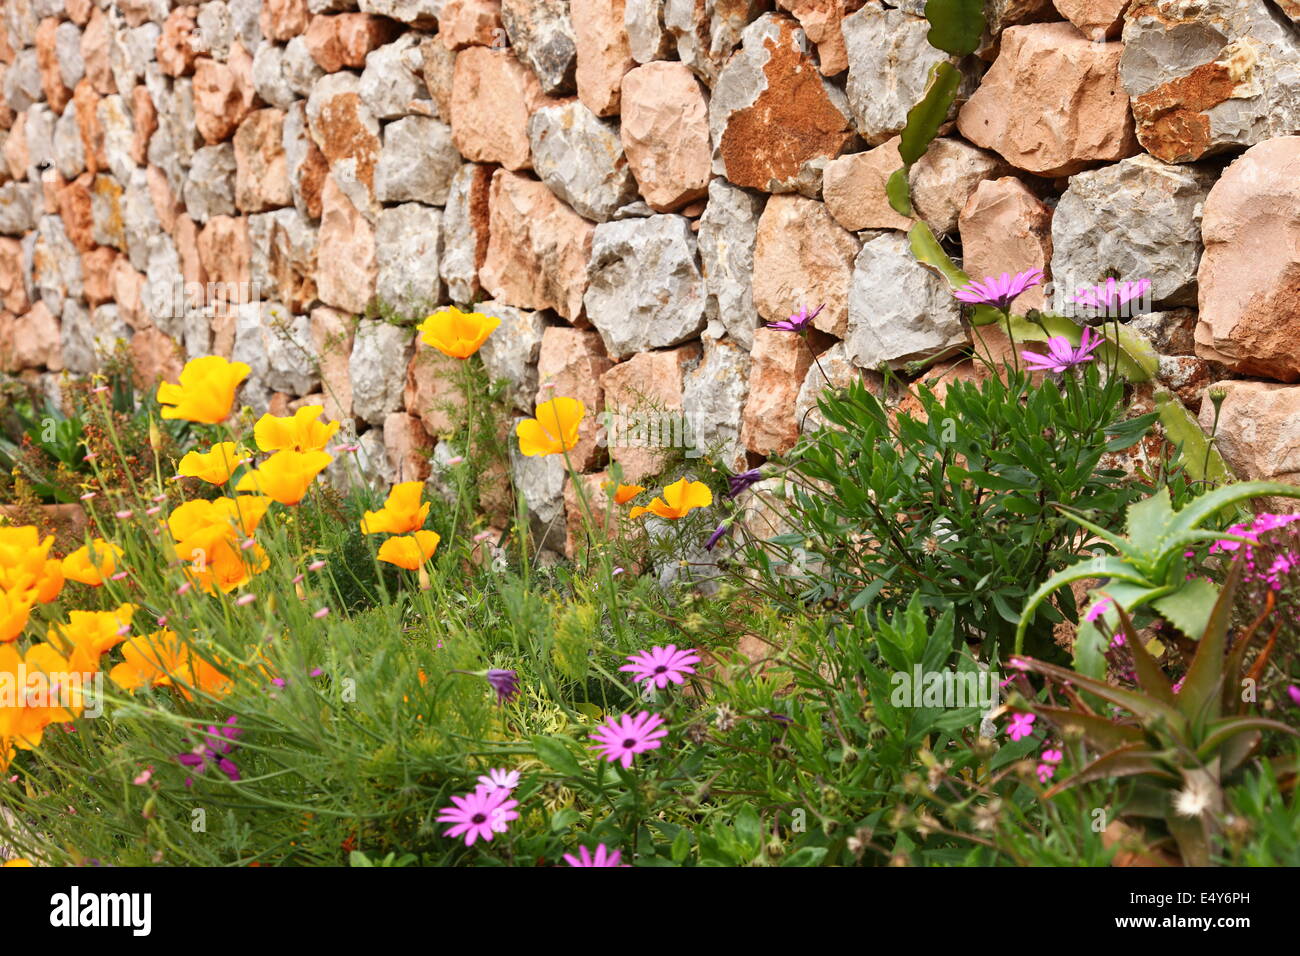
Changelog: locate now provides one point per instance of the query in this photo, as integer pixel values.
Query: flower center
(660, 669)
(630, 742)
(478, 818)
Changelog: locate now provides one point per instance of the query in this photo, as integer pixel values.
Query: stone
(176, 50)
(226, 254)
(47, 62)
(13, 287)
(348, 137)
(155, 358)
(67, 47)
(16, 155)
(282, 20)
(127, 290)
(833, 369)
(285, 245)
(1052, 103)
(1210, 76)
(853, 187)
(343, 41)
(88, 337)
(278, 346)
(38, 127)
(540, 482)
(775, 121)
(1137, 219)
(465, 232)
(56, 265)
(463, 23)
(380, 353)
(76, 209)
(890, 61)
(97, 274)
(439, 70)
(571, 362)
(304, 162)
(1258, 433)
(223, 94)
(943, 179)
(1170, 333)
(332, 338)
(645, 288)
(645, 421)
(432, 390)
(728, 232)
(646, 37)
(94, 56)
(131, 54)
(537, 247)
(886, 328)
(269, 78)
(665, 134)
(603, 53)
(541, 34)
(1098, 20)
(1248, 274)
(802, 258)
(301, 71)
(262, 175)
(779, 363)
(172, 147)
(713, 400)
(392, 80)
(33, 341)
(512, 350)
(821, 21)
(22, 82)
(417, 162)
(407, 246)
(406, 447)
(706, 31)
(346, 267)
(421, 13)
(580, 158)
(492, 96)
(1006, 228)
(210, 189)
(144, 121)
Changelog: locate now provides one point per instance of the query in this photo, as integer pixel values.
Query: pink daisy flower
(481, 813)
(659, 665)
(1022, 725)
(1061, 354)
(622, 738)
(1097, 609)
(1111, 296)
(798, 321)
(999, 292)
(499, 779)
(602, 857)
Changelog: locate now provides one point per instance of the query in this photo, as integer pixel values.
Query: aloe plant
(1148, 566)
(1181, 745)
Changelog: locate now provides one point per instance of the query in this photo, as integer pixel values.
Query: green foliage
(956, 26)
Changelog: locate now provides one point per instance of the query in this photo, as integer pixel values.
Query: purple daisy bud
(738, 483)
(505, 683)
(714, 538)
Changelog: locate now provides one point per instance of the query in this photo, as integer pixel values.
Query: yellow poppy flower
(216, 465)
(25, 564)
(89, 635)
(23, 721)
(215, 561)
(162, 659)
(402, 512)
(17, 861)
(554, 429)
(455, 333)
(286, 475)
(15, 609)
(93, 563)
(206, 391)
(410, 551)
(679, 499)
(240, 514)
(303, 431)
(623, 493)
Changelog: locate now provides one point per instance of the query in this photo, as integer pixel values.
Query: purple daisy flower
(662, 664)
(505, 683)
(602, 857)
(798, 321)
(1061, 354)
(738, 483)
(1097, 609)
(1112, 296)
(218, 743)
(622, 738)
(481, 813)
(499, 779)
(1000, 291)
(714, 538)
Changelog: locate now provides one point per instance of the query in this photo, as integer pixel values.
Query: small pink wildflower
(1097, 609)
(659, 665)
(1022, 725)
(622, 738)
(245, 600)
(1061, 355)
(480, 813)
(499, 779)
(602, 857)
(1000, 291)
(322, 612)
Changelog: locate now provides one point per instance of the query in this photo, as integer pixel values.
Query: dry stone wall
(635, 187)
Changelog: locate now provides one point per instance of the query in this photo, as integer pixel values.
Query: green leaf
(681, 848)
(929, 254)
(1095, 568)
(1201, 458)
(925, 118)
(749, 831)
(555, 754)
(956, 26)
(806, 856)
(1099, 731)
(1148, 520)
(1189, 608)
(899, 193)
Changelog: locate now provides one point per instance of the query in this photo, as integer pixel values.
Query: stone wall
(636, 187)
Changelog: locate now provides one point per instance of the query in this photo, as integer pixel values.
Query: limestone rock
(463, 23)
(645, 421)
(713, 399)
(492, 96)
(802, 258)
(304, 162)
(301, 71)
(1259, 432)
(262, 175)
(821, 21)
(223, 94)
(377, 369)
(89, 337)
(727, 235)
(603, 53)
(285, 246)
(269, 78)
(348, 137)
(892, 329)
(644, 22)
(775, 122)
(707, 31)
(943, 179)
(332, 339)
(1006, 228)
(282, 20)
(407, 240)
(854, 189)
(210, 188)
(346, 267)
(541, 35)
(645, 289)
(512, 350)
(465, 231)
(1140, 218)
(1096, 19)
(392, 79)
(343, 41)
(540, 480)
(779, 363)
(580, 158)
(1052, 103)
(417, 163)
(571, 362)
